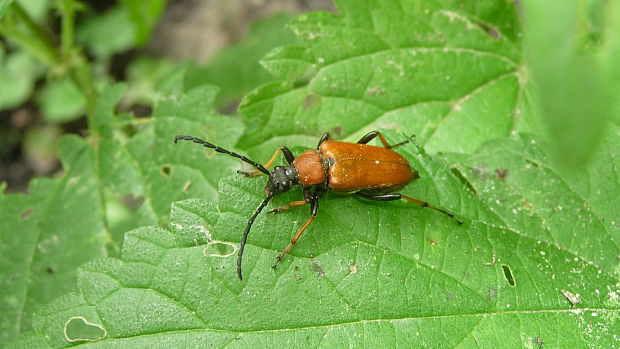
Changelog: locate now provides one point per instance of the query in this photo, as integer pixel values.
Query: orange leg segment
(293, 241)
(313, 200)
(426, 204)
(288, 206)
(398, 196)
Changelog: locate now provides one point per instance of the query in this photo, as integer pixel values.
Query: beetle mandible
(371, 172)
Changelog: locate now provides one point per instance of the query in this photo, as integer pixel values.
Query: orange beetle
(371, 172)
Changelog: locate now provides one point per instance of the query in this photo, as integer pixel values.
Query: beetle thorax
(311, 168)
(281, 179)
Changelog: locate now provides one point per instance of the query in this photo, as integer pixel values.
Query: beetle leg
(398, 196)
(288, 206)
(307, 200)
(314, 208)
(381, 197)
(323, 139)
(371, 135)
(288, 155)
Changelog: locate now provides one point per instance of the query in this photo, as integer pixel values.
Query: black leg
(323, 139)
(372, 135)
(288, 155)
(381, 197)
(398, 196)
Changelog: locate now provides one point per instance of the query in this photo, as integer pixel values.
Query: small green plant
(539, 244)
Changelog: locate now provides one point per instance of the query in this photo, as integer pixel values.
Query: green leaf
(539, 244)
(435, 71)
(147, 167)
(18, 73)
(46, 235)
(236, 69)
(37, 9)
(4, 7)
(122, 181)
(146, 170)
(496, 281)
(108, 33)
(144, 75)
(577, 77)
(144, 15)
(61, 101)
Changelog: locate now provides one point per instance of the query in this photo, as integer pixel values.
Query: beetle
(371, 172)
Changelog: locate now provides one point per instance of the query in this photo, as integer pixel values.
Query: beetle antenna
(224, 151)
(247, 231)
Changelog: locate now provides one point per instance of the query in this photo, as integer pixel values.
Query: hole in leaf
(456, 172)
(132, 201)
(491, 31)
(533, 162)
(228, 108)
(78, 329)
(219, 249)
(573, 298)
(508, 275)
(375, 90)
(165, 170)
(336, 132)
(501, 173)
(300, 83)
(141, 110)
(26, 213)
(311, 101)
(539, 342)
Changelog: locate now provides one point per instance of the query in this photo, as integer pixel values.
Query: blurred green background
(142, 43)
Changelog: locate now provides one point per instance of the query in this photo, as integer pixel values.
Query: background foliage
(134, 244)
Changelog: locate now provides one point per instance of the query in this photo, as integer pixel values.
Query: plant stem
(65, 59)
(67, 31)
(36, 40)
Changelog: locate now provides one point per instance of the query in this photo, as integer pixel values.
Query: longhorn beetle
(371, 172)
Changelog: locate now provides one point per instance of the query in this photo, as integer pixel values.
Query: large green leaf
(574, 62)
(236, 70)
(148, 166)
(442, 73)
(46, 235)
(531, 251)
(113, 183)
(538, 246)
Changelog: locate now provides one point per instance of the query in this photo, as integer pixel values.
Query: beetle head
(281, 180)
